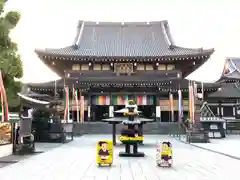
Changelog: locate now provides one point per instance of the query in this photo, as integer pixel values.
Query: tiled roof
(184, 83)
(231, 71)
(108, 39)
(226, 91)
(49, 84)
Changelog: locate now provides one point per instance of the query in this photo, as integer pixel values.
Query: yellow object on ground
(104, 152)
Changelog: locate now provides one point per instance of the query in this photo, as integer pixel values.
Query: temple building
(226, 101)
(110, 63)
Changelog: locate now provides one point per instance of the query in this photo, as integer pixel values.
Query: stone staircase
(104, 128)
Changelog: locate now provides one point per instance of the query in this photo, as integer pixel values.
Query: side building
(225, 102)
(109, 63)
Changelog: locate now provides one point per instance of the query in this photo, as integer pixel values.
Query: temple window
(105, 67)
(97, 67)
(170, 67)
(140, 67)
(85, 67)
(149, 67)
(162, 67)
(75, 67)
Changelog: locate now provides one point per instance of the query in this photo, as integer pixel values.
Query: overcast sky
(193, 23)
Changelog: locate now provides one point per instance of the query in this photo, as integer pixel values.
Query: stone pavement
(76, 161)
(229, 146)
(40, 148)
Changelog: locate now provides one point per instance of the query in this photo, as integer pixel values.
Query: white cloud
(198, 23)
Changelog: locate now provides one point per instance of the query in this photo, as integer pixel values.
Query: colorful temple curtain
(121, 99)
(145, 100)
(4, 103)
(101, 100)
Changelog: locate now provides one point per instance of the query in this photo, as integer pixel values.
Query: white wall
(5, 150)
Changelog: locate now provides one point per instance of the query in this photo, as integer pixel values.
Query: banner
(171, 106)
(66, 104)
(180, 105)
(82, 108)
(75, 97)
(4, 102)
(191, 103)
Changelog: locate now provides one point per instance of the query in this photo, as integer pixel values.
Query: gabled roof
(206, 110)
(227, 91)
(115, 39)
(231, 71)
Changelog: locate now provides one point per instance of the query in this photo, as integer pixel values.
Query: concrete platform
(76, 161)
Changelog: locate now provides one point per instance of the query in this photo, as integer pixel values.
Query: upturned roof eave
(226, 91)
(42, 53)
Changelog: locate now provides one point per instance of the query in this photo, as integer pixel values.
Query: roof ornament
(79, 35)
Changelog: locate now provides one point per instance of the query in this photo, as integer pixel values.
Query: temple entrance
(166, 116)
(99, 112)
(147, 111)
(118, 107)
(73, 116)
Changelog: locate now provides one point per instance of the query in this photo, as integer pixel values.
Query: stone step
(104, 128)
(197, 137)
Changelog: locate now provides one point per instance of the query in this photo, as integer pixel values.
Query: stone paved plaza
(76, 161)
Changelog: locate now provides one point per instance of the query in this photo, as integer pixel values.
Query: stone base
(124, 154)
(25, 151)
(197, 137)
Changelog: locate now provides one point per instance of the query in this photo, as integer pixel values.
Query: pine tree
(10, 60)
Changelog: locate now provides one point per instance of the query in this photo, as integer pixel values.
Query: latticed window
(75, 67)
(162, 67)
(84, 67)
(170, 67)
(149, 67)
(97, 67)
(140, 67)
(105, 67)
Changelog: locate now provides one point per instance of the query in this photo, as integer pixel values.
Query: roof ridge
(169, 34)
(121, 22)
(166, 35)
(79, 34)
(200, 49)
